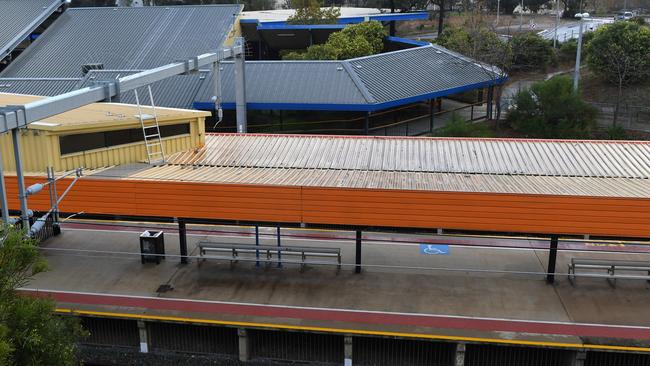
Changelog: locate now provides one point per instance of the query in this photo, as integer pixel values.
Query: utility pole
(498, 11)
(557, 22)
(576, 72)
(521, 15)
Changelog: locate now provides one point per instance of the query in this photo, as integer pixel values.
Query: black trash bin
(152, 246)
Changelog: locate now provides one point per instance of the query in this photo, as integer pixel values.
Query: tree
(552, 109)
(30, 332)
(355, 40)
(310, 12)
(620, 54)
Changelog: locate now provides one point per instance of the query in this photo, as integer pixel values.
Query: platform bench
(614, 267)
(235, 252)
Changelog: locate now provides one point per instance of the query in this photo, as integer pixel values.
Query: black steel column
(257, 243)
(552, 257)
(490, 98)
(366, 125)
(431, 115)
(182, 237)
(357, 267)
(279, 251)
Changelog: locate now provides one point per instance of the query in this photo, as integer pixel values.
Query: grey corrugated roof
(597, 159)
(290, 82)
(124, 38)
(367, 83)
(18, 18)
(44, 87)
(417, 71)
(174, 92)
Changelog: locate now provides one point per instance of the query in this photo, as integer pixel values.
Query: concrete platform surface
(495, 293)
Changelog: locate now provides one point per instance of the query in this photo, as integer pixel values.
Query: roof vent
(339, 68)
(359, 66)
(85, 68)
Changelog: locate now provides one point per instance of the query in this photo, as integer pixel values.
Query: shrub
(531, 52)
(552, 109)
(459, 127)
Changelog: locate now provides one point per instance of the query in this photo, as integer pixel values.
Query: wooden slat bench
(235, 252)
(614, 267)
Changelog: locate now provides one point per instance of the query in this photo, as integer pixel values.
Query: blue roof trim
(348, 20)
(354, 107)
(412, 42)
(265, 26)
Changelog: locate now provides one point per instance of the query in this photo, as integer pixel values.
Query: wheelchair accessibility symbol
(434, 249)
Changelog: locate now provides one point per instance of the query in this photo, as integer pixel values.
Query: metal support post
(430, 115)
(3, 194)
(240, 88)
(22, 196)
(577, 358)
(552, 258)
(144, 337)
(471, 112)
(347, 350)
(182, 238)
(460, 354)
(576, 72)
(244, 345)
(357, 261)
(366, 124)
(490, 97)
(257, 243)
(279, 251)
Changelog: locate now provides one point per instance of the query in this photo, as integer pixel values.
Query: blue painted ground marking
(434, 249)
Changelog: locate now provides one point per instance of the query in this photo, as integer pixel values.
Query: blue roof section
(266, 26)
(364, 84)
(411, 42)
(282, 24)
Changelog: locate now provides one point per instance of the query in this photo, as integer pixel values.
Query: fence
(630, 117)
(411, 120)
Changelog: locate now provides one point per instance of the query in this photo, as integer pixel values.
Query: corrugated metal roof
(304, 82)
(431, 155)
(417, 71)
(367, 83)
(175, 92)
(19, 18)
(46, 87)
(98, 114)
(124, 38)
(444, 182)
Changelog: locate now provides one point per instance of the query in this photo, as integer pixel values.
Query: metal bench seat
(268, 252)
(612, 266)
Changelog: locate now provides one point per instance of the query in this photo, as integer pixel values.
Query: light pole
(498, 10)
(576, 73)
(521, 15)
(557, 21)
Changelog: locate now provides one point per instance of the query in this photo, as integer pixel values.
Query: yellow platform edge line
(355, 331)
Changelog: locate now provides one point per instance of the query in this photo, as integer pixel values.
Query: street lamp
(576, 73)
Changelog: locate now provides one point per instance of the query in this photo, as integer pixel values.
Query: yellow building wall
(234, 33)
(40, 149)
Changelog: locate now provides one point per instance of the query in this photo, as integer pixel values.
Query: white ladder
(151, 131)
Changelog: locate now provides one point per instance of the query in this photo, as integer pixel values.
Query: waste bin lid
(151, 234)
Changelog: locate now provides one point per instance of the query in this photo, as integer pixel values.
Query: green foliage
(616, 133)
(481, 44)
(620, 53)
(531, 52)
(349, 47)
(551, 109)
(30, 333)
(639, 20)
(459, 127)
(310, 12)
(356, 40)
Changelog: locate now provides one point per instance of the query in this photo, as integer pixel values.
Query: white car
(624, 15)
